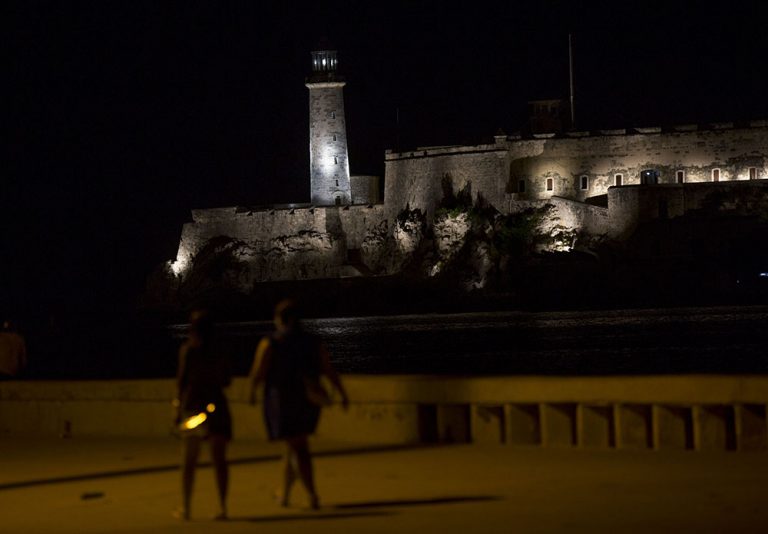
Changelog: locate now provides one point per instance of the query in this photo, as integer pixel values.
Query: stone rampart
(416, 179)
(632, 204)
(696, 412)
(601, 157)
(571, 173)
(358, 221)
(551, 166)
(365, 189)
(571, 215)
(282, 244)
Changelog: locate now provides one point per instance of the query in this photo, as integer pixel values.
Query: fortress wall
(416, 179)
(630, 205)
(572, 215)
(492, 172)
(256, 228)
(581, 217)
(278, 240)
(600, 157)
(357, 221)
(365, 189)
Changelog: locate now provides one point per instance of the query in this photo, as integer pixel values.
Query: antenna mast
(570, 72)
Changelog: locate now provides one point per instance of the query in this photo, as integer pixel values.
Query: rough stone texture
(365, 189)
(303, 242)
(329, 162)
(416, 179)
(630, 205)
(495, 171)
(450, 237)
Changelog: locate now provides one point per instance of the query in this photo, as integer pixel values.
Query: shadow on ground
(417, 502)
(203, 464)
(312, 516)
(358, 509)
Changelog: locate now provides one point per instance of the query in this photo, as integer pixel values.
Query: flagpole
(570, 72)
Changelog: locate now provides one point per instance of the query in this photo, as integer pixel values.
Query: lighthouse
(328, 159)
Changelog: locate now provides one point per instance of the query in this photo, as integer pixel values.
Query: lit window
(753, 173)
(584, 183)
(550, 184)
(617, 179)
(680, 177)
(715, 175)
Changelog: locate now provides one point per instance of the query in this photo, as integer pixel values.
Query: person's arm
(333, 376)
(259, 368)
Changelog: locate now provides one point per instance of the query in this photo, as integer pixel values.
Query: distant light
(210, 408)
(764, 275)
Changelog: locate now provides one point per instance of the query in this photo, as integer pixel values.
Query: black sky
(122, 116)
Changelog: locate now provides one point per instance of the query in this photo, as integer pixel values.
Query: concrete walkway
(110, 486)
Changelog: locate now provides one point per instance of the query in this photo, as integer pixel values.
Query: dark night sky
(122, 116)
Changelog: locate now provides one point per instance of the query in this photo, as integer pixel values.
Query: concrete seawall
(695, 412)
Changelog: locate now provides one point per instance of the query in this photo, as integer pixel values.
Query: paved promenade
(110, 486)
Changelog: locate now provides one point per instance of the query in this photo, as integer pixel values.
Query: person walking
(290, 363)
(202, 408)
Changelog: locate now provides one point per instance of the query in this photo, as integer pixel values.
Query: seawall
(688, 412)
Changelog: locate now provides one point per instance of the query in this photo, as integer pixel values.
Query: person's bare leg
(219, 458)
(289, 476)
(190, 450)
(303, 457)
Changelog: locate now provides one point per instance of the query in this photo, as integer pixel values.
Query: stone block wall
(630, 205)
(365, 189)
(511, 175)
(329, 162)
(358, 221)
(416, 179)
(552, 166)
(600, 156)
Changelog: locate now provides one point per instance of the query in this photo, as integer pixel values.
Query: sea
(710, 340)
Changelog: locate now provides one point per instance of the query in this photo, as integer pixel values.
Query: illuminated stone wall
(307, 242)
(416, 179)
(365, 189)
(630, 205)
(495, 171)
(279, 244)
(329, 163)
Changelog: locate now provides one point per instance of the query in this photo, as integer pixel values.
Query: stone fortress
(593, 185)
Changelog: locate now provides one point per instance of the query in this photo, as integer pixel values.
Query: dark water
(690, 340)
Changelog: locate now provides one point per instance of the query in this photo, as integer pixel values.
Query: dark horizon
(123, 118)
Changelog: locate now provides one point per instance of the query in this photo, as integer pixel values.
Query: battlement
(424, 152)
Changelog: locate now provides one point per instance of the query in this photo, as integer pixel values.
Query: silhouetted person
(203, 410)
(290, 362)
(13, 352)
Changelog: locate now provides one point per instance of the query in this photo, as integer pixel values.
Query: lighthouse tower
(328, 160)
